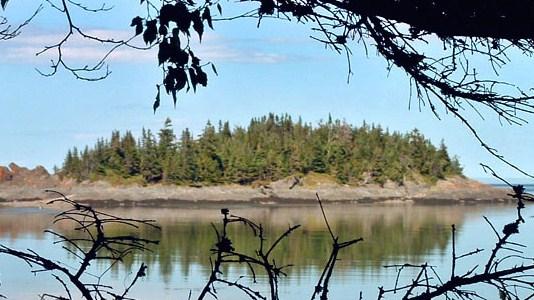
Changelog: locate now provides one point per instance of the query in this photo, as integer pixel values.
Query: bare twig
(93, 245)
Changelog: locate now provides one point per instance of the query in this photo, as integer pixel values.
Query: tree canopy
(270, 148)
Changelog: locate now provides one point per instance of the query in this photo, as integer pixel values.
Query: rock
(458, 188)
(16, 170)
(21, 176)
(40, 172)
(5, 174)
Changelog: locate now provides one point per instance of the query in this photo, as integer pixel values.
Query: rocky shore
(20, 186)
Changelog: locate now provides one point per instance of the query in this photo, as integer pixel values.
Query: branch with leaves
(170, 26)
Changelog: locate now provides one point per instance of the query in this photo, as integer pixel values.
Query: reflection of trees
(400, 233)
(390, 233)
(15, 222)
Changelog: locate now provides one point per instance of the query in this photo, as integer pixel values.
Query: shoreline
(452, 190)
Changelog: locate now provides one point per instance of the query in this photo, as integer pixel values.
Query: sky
(274, 68)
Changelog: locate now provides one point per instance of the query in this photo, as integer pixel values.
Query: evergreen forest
(270, 148)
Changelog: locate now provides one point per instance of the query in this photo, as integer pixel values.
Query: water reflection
(392, 234)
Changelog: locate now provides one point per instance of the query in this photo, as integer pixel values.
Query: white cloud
(79, 50)
(76, 50)
(224, 53)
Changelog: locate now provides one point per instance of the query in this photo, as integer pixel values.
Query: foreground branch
(93, 244)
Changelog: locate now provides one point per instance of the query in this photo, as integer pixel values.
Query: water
(529, 188)
(393, 234)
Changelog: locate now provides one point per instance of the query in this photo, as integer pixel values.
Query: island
(274, 160)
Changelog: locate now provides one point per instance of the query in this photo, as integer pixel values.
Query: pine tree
(150, 166)
(210, 166)
(132, 160)
(187, 167)
(167, 154)
(115, 156)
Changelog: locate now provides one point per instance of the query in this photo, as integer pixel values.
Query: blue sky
(276, 68)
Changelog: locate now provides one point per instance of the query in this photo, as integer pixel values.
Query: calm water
(393, 234)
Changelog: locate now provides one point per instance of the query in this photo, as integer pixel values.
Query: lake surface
(393, 234)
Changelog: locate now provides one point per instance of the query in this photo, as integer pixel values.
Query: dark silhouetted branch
(226, 254)
(322, 285)
(8, 32)
(94, 244)
(507, 273)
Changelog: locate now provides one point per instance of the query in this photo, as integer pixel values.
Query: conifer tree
(187, 167)
(151, 168)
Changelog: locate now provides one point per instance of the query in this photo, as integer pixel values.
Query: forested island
(270, 148)
(273, 160)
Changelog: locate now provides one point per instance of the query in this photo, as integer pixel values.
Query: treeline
(270, 148)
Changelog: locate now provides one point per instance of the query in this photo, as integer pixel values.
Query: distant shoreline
(452, 190)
